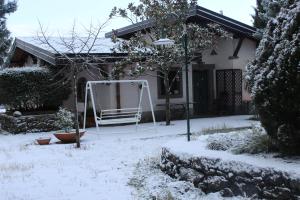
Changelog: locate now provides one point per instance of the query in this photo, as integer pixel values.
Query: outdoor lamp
(164, 42)
(169, 42)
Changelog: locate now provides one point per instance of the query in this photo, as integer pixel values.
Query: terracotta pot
(68, 137)
(43, 141)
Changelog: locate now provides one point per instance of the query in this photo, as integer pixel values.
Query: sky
(58, 16)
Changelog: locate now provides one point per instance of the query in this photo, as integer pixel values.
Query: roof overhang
(199, 15)
(57, 59)
(36, 51)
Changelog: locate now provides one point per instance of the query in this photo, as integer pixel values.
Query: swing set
(119, 115)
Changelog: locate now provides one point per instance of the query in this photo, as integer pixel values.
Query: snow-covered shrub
(257, 142)
(64, 119)
(30, 88)
(274, 78)
(252, 141)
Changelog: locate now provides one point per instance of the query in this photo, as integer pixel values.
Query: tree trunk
(167, 98)
(76, 106)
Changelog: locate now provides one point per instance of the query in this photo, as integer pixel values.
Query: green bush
(64, 119)
(30, 89)
(274, 79)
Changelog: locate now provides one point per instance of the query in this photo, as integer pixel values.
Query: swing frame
(117, 116)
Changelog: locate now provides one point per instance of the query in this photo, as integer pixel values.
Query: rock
(198, 179)
(17, 114)
(188, 174)
(283, 193)
(216, 183)
(226, 192)
(213, 175)
(28, 123)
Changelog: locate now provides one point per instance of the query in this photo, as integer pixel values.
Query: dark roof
(103, 48)
(36, 51)
(199, 15)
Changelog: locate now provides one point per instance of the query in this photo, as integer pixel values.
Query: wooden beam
(237, 49)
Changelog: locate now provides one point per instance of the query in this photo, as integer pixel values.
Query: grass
(15, 167)
(220, 129)
(252, 140)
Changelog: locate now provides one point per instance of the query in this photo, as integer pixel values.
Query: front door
(200, 92)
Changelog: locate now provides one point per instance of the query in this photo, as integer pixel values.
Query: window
(81, 89)
(175, 81)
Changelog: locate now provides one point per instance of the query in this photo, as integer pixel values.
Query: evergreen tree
(274, 78)
(5, 40)
(266, 10)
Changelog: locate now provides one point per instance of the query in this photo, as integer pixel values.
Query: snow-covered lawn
(101, 169)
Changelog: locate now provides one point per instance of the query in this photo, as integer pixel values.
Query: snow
(102, 45)
(21, 70)
(198, 148)
(101, 169)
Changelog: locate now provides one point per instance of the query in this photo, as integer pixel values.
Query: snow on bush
(64, 119)
(21, 70)
(30, 88)
(251, 141)
(274, 79)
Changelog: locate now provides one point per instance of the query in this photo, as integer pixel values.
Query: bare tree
(75, 54)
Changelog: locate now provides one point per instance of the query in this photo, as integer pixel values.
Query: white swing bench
(117, 116)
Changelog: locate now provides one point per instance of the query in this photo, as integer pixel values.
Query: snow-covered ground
(100, 170)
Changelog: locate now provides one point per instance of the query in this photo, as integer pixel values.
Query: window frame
(81, 88)
(160, 84)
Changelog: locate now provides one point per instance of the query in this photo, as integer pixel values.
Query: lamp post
(187, 85)
(169, 42)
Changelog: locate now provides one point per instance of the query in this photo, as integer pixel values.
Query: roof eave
(197, 11)
(36, 51)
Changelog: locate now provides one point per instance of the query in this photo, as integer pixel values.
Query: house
(216, 78)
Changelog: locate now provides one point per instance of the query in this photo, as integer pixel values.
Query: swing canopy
(120, 115)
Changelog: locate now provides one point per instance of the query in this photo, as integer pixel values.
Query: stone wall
(28, 123)
(231, 178)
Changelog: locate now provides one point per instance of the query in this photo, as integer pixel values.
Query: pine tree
(265, 11)
(5, 40)
(274, 78)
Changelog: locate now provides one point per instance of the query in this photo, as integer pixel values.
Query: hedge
(30, 89)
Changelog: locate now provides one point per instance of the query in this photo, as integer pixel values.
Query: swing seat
(119, 116)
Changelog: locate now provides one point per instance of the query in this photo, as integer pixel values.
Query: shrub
(64, 119)
(274, 79)
(252, 141)
(29, 89)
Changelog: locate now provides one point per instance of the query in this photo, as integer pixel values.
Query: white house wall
(105, 95)
(130, 94)
(225, 49)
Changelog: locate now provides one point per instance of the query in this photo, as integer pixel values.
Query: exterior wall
(130, 94)
(225, 49)
(246, 54)
(105, 95)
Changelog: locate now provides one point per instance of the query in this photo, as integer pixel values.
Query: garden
(236, 157)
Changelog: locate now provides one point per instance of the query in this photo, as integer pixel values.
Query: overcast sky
(59, 15)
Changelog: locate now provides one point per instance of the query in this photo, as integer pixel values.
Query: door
(200, 92)
(229, 91)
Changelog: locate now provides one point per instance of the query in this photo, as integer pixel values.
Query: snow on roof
(102, 45)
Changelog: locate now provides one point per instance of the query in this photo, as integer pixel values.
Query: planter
(43, 141)
(68, 137)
